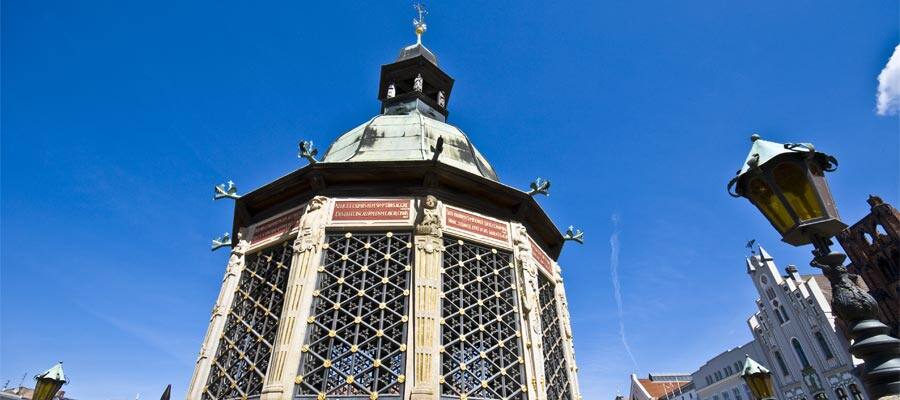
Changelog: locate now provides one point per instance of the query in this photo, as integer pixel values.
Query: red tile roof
(658, 389)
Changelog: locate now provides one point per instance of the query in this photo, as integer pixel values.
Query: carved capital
(429, 245)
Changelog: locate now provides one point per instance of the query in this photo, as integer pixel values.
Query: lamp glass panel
(798, 190)
(818, 180)
(767, 386)
(45, 389)
(769, 204)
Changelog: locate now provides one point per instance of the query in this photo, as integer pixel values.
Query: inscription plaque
(371, 210)
(472, 223)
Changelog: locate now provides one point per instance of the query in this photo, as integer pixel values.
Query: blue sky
(119, 117)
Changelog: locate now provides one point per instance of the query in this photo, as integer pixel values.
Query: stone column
(568, 341)
(427, 302)
(217, 319)
(529, 295)
(280, 378)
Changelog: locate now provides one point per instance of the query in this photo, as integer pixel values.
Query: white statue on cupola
(417, 84)
(391, 91)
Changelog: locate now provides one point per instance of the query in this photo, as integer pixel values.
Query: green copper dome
(408, 137)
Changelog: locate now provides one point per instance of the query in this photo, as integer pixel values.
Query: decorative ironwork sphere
(758, 379)
(786, 182)
(49, 383)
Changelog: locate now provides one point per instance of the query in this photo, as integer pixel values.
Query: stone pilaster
(569, 347)
(217, 319)
(529, 295)
(291, 330)
(427, 303)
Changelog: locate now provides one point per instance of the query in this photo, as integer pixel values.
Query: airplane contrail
(617, 288)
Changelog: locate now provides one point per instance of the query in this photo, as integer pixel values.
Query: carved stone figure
(236, 261)
(430, 223)
(391, 91)
(418, 83)
(442, 101)
(310, 235)
(531, 290)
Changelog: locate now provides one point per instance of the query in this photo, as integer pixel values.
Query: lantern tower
(396, 267)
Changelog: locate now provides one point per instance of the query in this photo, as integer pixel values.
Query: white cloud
(889, 86)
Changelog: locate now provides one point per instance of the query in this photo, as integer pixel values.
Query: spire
(419, 23)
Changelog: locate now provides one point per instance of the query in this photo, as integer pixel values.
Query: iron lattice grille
(242, 358)
(555, 366)
(356, 346)
(481, 352)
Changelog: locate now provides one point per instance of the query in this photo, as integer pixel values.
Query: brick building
(873, 246)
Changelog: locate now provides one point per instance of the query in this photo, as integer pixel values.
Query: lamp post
(786, 182)
(49, 383)
(758, 379)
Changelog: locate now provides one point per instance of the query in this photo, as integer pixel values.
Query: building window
(242, 357)
(778, 315)
(480, 333)
(728, 371)
(771, 293)
(356, 343)
(725, 396)
(820, 396)
(824, 345)
(780, 360)
(737, 393)
(764, 280)
(555, 367)
(857, 395)
(841, 394)
(784, 313)
(800, 354)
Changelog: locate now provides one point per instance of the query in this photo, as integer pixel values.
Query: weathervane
(419, 23)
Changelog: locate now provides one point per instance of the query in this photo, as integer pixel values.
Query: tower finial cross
(419, 22)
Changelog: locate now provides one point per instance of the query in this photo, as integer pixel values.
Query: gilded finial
(419, 23)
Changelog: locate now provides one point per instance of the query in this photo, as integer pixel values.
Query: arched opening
(801, 355)
(867, 237)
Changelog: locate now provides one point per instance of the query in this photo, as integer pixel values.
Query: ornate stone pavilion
(397, 267)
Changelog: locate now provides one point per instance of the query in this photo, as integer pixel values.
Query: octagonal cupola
(415, 82)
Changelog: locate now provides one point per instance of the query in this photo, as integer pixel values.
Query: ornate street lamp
(786, 182)
(758, 379)
(49, 383)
